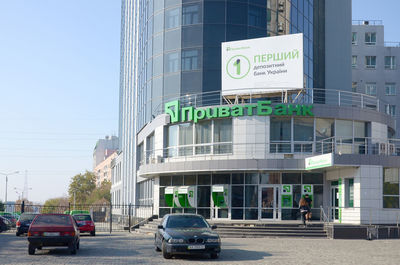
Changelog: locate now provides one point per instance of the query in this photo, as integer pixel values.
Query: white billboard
(262, 65)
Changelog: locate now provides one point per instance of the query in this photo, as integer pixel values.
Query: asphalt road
(125, 248)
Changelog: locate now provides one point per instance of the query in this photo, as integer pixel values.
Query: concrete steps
(252, 230)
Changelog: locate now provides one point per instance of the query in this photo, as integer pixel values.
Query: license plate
(51, 233)
(196, 247)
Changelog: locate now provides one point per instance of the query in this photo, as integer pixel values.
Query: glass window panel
(237, 196)
(164, 211)
(303, 129)
(172, 84)
(203, 136)
(344, 128)
(177, 180)
(390, 89)
(291, 178)
(318, 196)
(173, 135)
(190, 180)
(251, 178)
(223, 130)
(158, 44)
(165, 181)
(205, 212)
(203, 196)
(221, 178)
(237, 214)
(251, 214)
(280, 129)
(257, 16)
(270, 178)
(172, 18)
(236, 13)
(296, 195)
(158, 22)
(313, 178)
(359, 129)
(391, 181)
(172, 63)
(172, 40)
(186, 138)
(349, 192)
(214, 12)
(251, 196)
(162, 197)
(390, 202)
(191, 14)
(204, 179)
(324, 128)
(354, 38)
(158, 65)
(370, 89)
(190, 60)
(237, 178)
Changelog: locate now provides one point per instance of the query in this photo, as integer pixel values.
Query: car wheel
(93, 233)
(165, 254)
(72, 249)
(31, 250)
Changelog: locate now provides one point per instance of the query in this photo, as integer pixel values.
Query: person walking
(304, 209)
(309, 203)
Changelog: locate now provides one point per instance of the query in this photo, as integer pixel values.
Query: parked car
(85, 223)
(10, 217)
(24, 222)
(186, 234)
(53, 230)
(4, 224)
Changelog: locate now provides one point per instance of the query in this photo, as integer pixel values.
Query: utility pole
(8, 174)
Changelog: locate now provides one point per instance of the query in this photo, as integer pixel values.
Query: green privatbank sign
(262, 108)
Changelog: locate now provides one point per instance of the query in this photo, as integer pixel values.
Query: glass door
(334, 203)
(220, 201)
(269, 203)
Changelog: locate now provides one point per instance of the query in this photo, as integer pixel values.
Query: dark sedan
(4, 224)
(24, 222)
(186, 234)
(53, 230)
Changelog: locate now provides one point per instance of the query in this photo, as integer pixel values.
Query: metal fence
(107, 217)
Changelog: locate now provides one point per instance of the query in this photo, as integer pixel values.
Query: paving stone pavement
(125, 248)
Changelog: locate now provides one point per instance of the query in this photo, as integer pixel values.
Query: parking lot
(125, 248)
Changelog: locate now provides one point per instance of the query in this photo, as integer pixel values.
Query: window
(172, 17)
(390, 188)
(390, 89)
(390, 110)
(354, 61)
(303, 130)
(281, 134)
(186, 138)
(257, 17)
(354, 86)
(223, 134)
(354, 38)
(370, 89)
(370, 38)
(370, 62)
(203, 136)
(190, 60)
(172, 62)
(390, 62)
(190, 14)
(172, 140)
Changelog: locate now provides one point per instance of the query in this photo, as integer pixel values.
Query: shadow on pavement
(229, 255)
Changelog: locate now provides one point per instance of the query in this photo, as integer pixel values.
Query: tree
(56, 205)
(82, 185)
(101, 194)
(1, 206)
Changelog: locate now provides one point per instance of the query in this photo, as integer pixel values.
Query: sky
(59, 82)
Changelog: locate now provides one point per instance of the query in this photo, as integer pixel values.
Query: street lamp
(8, 174)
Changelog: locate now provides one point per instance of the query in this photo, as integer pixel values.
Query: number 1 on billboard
(237, 64)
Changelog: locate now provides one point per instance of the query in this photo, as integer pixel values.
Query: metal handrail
(299, 96)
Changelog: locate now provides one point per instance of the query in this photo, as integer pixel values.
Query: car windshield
(27, 217)
(49, 220)
(183, 221)
(83, 217)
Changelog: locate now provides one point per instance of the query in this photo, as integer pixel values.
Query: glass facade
(245, 199)
(178, 45)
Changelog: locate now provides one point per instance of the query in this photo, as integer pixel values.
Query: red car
(53, 230)
(85, 223)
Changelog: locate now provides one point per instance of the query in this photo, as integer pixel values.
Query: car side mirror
(160, 227)
(213, 227)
